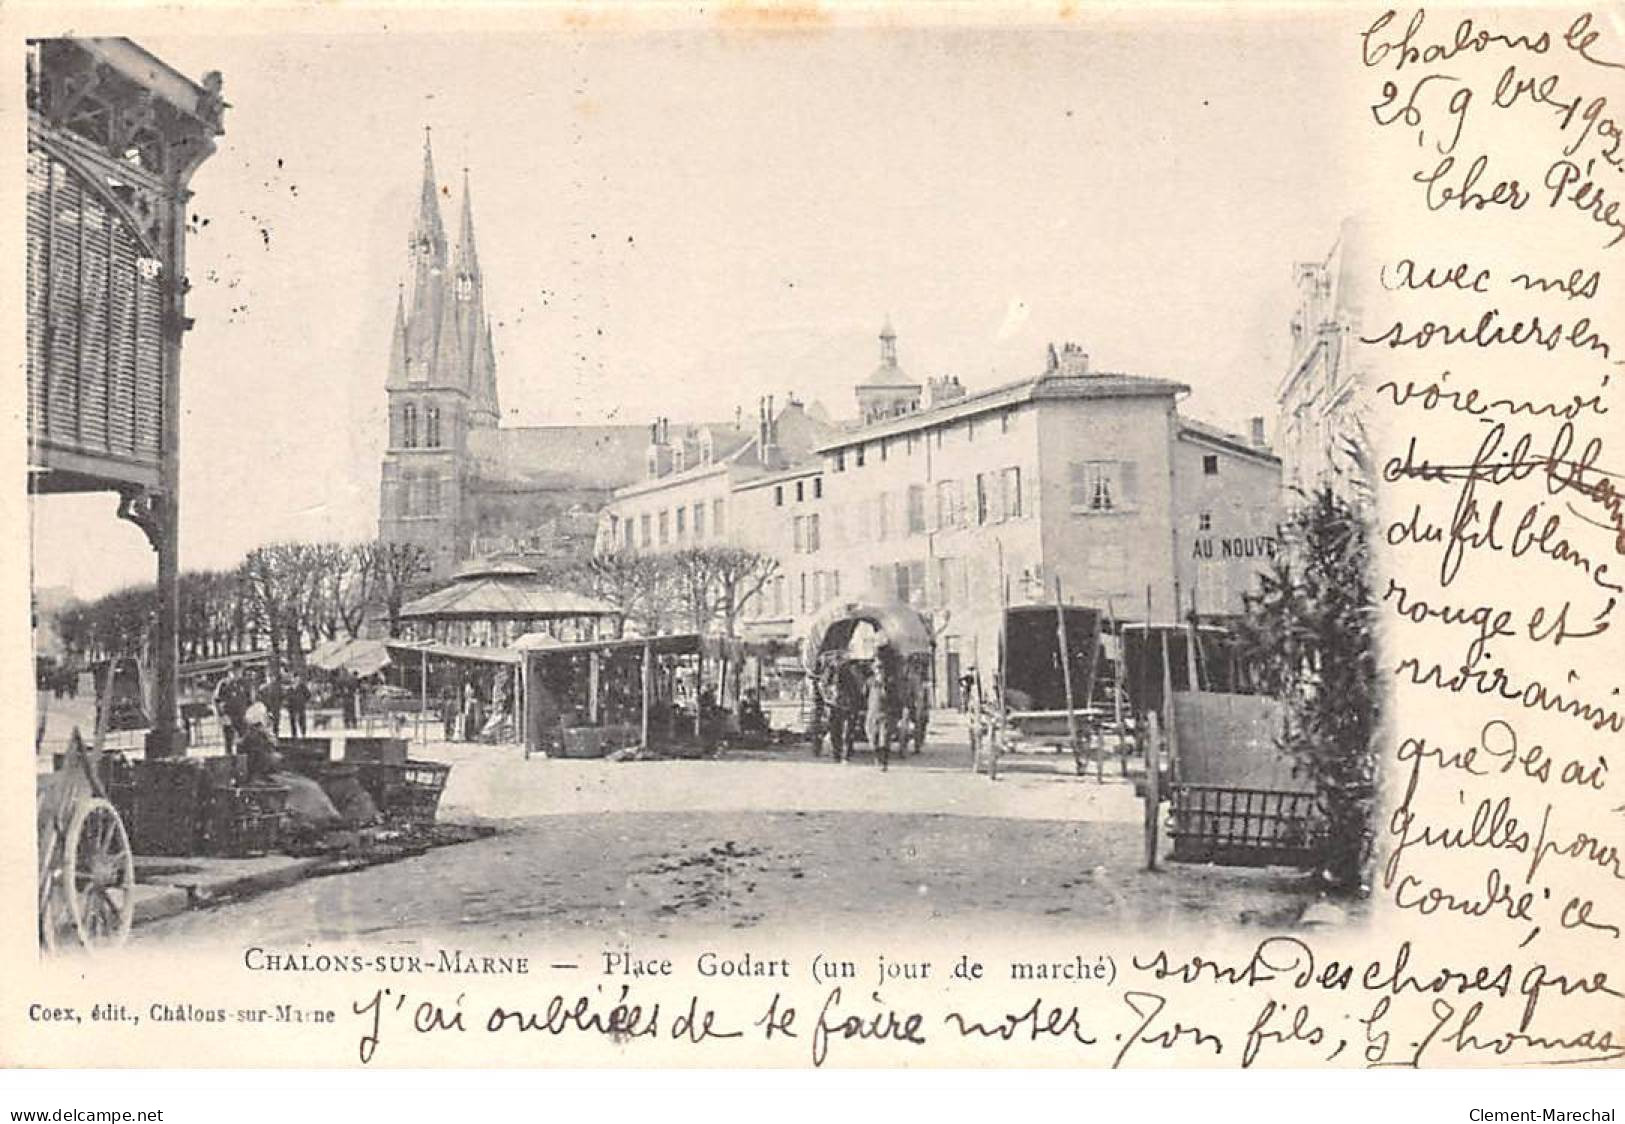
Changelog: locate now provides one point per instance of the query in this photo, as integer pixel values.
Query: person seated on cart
(752, 720)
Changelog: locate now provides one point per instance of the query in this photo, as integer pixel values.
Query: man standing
(345, 682)
(271, 697)
(297, 698)
(878, 713)
(230, 704)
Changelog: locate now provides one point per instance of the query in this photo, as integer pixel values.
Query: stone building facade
(1093, 478)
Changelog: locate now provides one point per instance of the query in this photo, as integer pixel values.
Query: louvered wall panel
(149, 381)
(39, 229)
(121, 363)
(93, 321)
(62, 388)
(94, 346)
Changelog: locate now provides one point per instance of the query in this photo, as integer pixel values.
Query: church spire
(397, 344)
(428, 243)
(468, 260)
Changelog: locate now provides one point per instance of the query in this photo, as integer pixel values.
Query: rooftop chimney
(1073, 360)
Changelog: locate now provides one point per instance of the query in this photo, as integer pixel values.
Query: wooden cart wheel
(56, 924)
(98, 868)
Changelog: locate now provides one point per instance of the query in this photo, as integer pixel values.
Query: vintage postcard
(830, 536)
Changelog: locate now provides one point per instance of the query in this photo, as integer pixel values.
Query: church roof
(583, 456)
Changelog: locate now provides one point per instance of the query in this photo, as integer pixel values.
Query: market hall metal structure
(114, 137)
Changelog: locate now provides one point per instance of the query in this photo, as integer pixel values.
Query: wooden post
(646, 683)
(1153, 785)
(1117, 684)
(593, 676)
(1192, 672)
(975, 703)
(1066, 679)
(1003, 685)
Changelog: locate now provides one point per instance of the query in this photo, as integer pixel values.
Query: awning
(364, 657)
(408, 651)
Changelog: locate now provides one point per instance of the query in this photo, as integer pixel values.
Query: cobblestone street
(675, 848)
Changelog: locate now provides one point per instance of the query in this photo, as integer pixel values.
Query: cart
(833, 652)
(86, 863)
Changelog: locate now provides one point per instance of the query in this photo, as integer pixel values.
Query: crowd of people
(290, 692)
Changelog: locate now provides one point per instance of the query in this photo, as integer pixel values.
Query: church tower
(441, 383)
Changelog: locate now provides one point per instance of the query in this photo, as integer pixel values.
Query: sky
(676, 223)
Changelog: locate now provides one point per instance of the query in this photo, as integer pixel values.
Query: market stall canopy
(505, 595)
(408, 650)
(833, 626)
(681, 643)
(364, 657)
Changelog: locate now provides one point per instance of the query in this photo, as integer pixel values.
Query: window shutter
(1129, 485)
(1078, 474)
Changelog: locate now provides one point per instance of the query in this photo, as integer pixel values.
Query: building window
(699, 521)
(1004, 422)
(798, 533)
(1102, 486)
(801, 490)
(665, 527)
(1204, 521)
(778, 596)
(950, 503)
(970, 429)
(883, 444)
(910, 579)
(643, 529)
(431, 425)
(909, 442)
(716, 519)
(1012, 492)
(916, 509)
(858, 456)
(1210, 465)
(803, 593)
(682, 521)
(982, 512)
(818, 487)
(631, 529)
(840, 461)
(778, 495)
(409, 426)
(812, 533)
(817, 588)
(431, 495)
(835, 583)
(939, 436)
(883, 516)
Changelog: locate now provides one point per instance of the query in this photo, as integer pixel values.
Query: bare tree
(639, 585)
(398, 566)
(737, 575)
